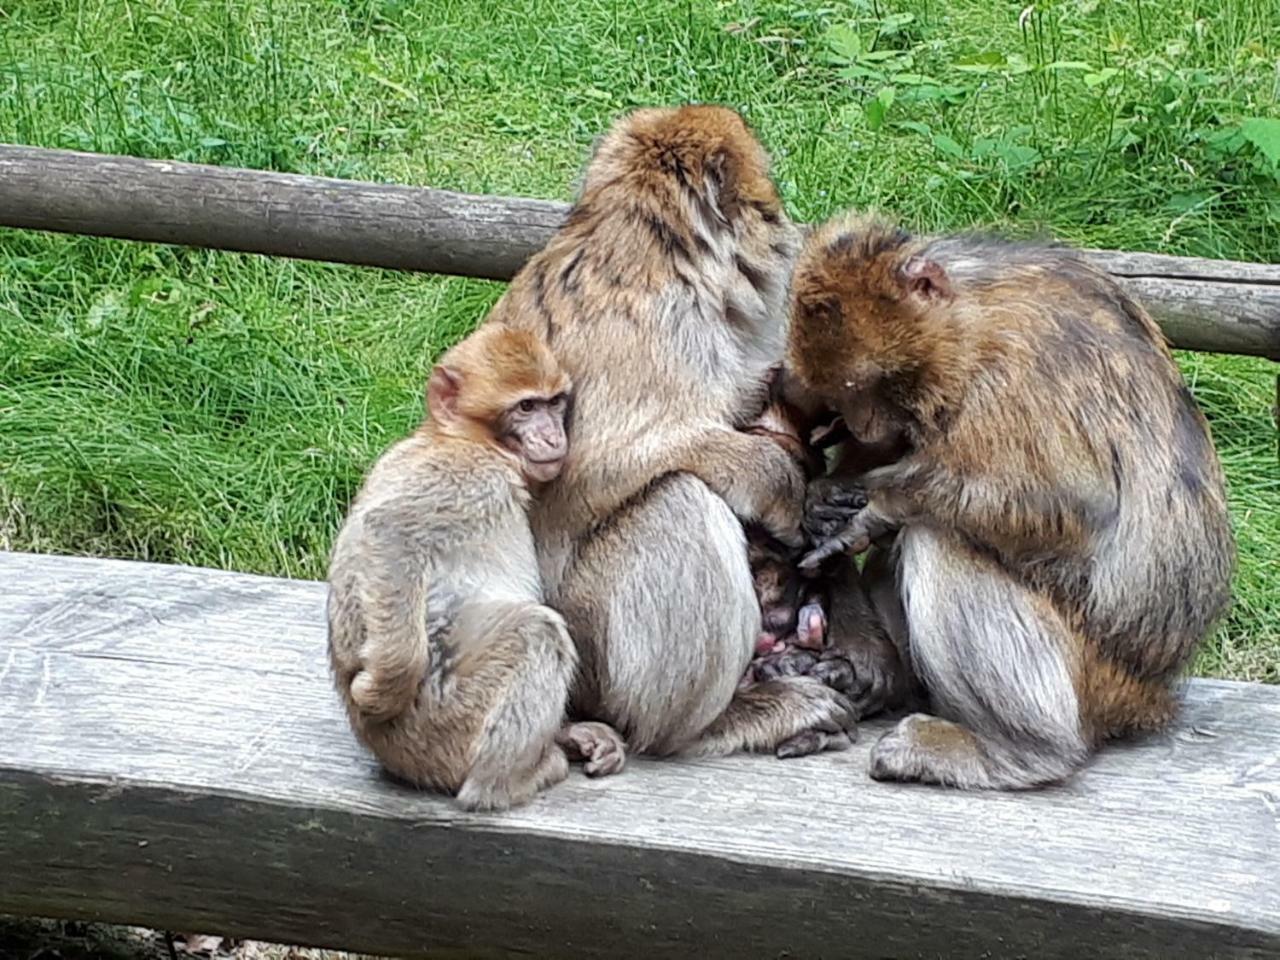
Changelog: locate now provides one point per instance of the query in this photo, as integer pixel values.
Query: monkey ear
(442, 393)
(718, 174)
(926, 279)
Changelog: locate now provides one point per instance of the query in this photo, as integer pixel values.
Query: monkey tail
(396, 651)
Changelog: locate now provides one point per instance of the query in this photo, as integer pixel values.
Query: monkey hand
(863, 673)
(598, 746)
(830, 505)
(782, 499)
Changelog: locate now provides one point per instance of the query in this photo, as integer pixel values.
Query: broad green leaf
(1105, 75)
(895, 22)
(875, 114)
(947, 145)
(915, 126)
(843, 41)
(1264, 133)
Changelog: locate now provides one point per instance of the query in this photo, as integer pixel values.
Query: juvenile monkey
(452, 670)
(1059, 534)
(664, 297)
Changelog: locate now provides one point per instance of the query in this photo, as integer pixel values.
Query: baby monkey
(793, 605)
(1057, 530)
(452, 670)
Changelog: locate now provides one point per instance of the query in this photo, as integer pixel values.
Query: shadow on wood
(1215, 305)
(172, 755)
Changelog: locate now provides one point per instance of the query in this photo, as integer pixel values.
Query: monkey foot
(598, 746)
(927, 749)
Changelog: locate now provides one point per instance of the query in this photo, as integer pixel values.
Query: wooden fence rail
(1216, 305)
(172, 754)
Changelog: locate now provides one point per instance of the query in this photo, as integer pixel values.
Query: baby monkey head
(503, 387)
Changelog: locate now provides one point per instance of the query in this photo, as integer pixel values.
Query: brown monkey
(664, 297)
(452, 670)
(1061, 539)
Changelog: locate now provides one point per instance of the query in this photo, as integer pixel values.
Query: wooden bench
(172, 754)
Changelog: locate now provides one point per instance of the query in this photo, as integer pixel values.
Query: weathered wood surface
(1216, 305)
(171, 754)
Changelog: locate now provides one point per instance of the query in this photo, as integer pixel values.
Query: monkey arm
(1014, 514)
(754, 475)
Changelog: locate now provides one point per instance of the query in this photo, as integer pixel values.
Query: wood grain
(171, 754)
(1221, 306)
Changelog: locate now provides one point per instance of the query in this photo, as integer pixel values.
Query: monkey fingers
(811, 742)
(854, 539)
(830, 506)
(600, 747)
(790, 662)
(863, 683)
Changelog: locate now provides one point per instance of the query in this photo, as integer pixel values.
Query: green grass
(219, 409)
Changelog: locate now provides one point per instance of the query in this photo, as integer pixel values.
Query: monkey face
(534, 430)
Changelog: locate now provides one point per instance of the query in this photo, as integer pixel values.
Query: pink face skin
(534, 431)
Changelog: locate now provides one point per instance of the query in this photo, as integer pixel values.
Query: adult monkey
(664, 298)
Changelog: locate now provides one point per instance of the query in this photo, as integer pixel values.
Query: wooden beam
(172, 754)
(1215, 305)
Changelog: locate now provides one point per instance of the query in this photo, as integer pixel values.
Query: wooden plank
(171, 754)
(1222, 306)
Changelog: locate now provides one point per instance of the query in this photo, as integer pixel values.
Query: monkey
(792, 606)
(451, 668)
(787, 603)
(841, 650)
(1058, 541)
(663, 295)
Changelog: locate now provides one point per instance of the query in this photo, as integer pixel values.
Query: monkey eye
(527, 406)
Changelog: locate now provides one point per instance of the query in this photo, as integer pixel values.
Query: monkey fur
(1054, 540)
(664, 297)
(452, 670)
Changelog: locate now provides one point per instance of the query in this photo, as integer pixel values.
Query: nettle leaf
(915, 126)
(857, 72)
(988, 62)
(1017, 156)
(877, 109)
(1190, 200)
(1105, 75)
(843, 41)
(895, 22)
(1229, 140)
(948, 146)
(875, 114)
(1264, 133)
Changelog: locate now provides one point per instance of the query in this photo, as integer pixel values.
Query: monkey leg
(1000, 666)
(867, 635)
(793, 716)
(490, 725)
(663, 608)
